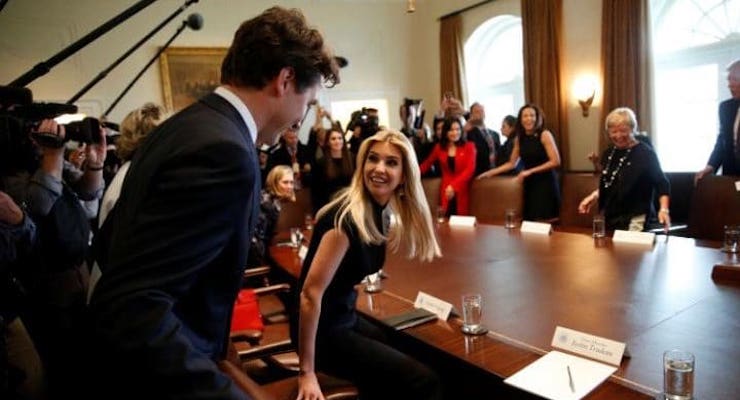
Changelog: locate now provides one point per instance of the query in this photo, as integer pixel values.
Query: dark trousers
(362, 355)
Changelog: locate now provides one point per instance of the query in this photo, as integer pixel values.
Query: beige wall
(391, 53)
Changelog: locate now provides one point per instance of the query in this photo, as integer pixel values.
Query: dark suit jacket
(160, 314)
(724, 149)
(486, 143)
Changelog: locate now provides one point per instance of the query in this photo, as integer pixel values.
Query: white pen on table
(570, 380)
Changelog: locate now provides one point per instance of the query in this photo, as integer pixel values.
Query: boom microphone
(194, 21)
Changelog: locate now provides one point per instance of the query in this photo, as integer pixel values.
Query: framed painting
(189, 73)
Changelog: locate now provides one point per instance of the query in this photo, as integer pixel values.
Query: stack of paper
(549, 376)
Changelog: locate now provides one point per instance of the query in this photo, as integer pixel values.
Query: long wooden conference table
(653, 298)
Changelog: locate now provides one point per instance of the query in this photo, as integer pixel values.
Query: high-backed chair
(285, 388)
(490, 198)
(715, 203)
(576, 186)
(293, 214)
(682, 189)
(431, 191)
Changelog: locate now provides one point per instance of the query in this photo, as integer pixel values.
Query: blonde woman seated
(630, 178)
(279, 189)
(348, 243)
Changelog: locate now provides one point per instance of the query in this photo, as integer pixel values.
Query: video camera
(366, 119)
(19, 115)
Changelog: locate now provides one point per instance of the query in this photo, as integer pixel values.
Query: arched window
(494, 68)
(693, 42)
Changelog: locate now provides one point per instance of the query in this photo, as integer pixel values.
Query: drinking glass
(510, 218)
(732, 239)
(440, 215)
(599, 227)
(295, 237)
(678, 375)
(373, 283)
(472, 307)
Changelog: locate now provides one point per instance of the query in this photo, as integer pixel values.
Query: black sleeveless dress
(541, 190)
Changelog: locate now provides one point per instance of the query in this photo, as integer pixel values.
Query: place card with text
(462, 220)
(432, 304)
(621, 236)
(595, 347)
(536, 227)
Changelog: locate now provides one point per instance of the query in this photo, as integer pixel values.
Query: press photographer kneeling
(54, 276)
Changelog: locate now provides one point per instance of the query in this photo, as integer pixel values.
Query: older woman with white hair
(631, 178)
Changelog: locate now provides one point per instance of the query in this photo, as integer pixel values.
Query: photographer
(55, 275)
(21, 372)
(363, 124)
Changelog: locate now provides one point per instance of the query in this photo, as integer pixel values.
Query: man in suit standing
(291, 152)
(487, 142)
(726, 153)
(173, 254)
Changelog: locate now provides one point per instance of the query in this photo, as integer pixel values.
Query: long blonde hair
(413, 229)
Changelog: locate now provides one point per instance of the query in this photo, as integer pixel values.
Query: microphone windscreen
(341, 61)
(11, 96)
(195, 21)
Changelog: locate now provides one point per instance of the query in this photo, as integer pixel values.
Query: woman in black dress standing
(539, 155)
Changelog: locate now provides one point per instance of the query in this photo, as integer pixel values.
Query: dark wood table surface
(653, 298)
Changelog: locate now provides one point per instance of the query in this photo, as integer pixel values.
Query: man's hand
(10, 213)
(704, 172)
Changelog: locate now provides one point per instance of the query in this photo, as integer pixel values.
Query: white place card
(598, 348)
(635, 237)
(737, 186)
(462, 220)
(432, 304)
(561, 376)
(302, 251)
(536, 227)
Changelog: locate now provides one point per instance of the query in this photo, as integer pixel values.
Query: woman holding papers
(349, 243)
(630, 176)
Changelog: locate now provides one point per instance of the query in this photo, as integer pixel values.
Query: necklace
(609, 174)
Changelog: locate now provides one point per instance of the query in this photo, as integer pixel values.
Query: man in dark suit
(177, 244)
(291, 152)
(487, 142)
(726, 153)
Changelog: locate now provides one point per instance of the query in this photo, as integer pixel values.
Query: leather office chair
(714, 204)
(293, 214)
(490, 198)
(431, 191)
(576, 186)
(263, 362)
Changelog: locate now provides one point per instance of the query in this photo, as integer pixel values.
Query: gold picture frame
(189, 73)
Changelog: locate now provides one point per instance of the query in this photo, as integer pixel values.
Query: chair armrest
(272, 289)
(244, 382)
(267, 350)
(256, 271)
(251, 336)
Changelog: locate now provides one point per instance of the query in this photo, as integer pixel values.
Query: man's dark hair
(276, 39)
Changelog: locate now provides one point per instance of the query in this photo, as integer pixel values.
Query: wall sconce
(410, 6)
(584, 90)
(586, 104)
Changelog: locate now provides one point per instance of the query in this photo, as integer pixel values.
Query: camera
(19, 115)
(367, 120)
